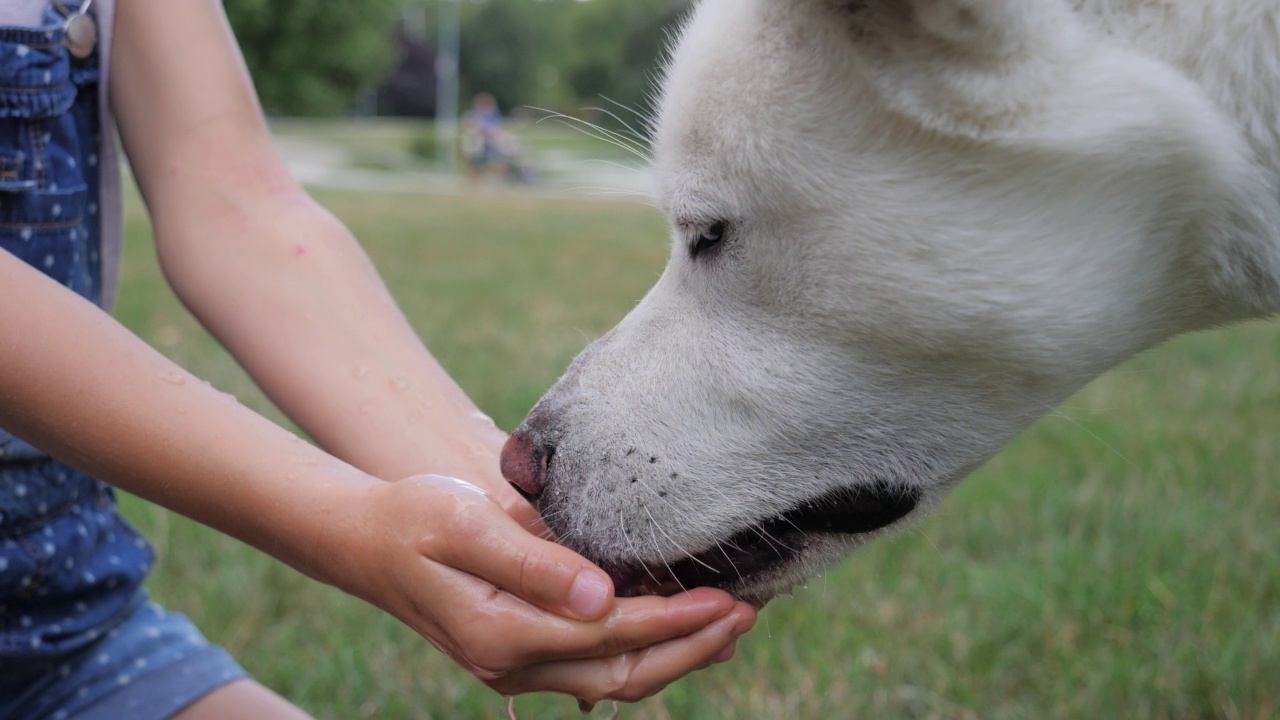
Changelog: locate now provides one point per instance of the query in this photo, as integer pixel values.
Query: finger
(502, 493)
(520, 510)
(487, 543)
(482, 538)
(515, 634)
(525, 515)
(631, 677)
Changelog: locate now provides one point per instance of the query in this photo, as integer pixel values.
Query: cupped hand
(520, 613)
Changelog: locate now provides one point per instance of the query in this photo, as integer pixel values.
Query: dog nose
(524, 463)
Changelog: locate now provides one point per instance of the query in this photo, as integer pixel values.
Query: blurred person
(86, 405)
(487, 144)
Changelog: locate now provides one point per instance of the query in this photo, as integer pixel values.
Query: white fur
(946, 217)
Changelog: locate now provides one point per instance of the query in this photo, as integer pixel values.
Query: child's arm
(287, 289)
(78, 385)
(280, 282)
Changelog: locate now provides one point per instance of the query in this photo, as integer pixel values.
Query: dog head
(902, 231)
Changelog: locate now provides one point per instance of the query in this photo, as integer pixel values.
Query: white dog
(904, 230)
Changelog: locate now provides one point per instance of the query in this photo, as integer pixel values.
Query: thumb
(496, 548)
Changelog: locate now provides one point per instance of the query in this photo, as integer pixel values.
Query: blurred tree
(410, 89)
(502, 43)
(615, 50)
(312, 57)
(565, 54)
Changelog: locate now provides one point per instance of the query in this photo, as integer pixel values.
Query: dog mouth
(749, 559)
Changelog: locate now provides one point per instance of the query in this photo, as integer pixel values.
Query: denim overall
(78, 636)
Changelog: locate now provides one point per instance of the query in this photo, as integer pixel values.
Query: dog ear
(971, 67)
(1033, 74)
(981, 27)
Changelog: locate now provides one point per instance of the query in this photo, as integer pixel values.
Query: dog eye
(710, 237)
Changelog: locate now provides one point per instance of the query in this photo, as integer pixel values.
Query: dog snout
(524, 462)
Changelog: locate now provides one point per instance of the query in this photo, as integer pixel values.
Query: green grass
(1118, 561)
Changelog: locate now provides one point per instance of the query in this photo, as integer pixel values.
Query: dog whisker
(732, 564)
(637, 137)
(678, 546)
(657, 546)
(635, 552)
(646, 119)
(771, 540)
(639, 143)
(593, 130)
(677, 504)
(1054, 412)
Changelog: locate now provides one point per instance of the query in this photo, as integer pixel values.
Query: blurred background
(1119, 560)
(440, 90)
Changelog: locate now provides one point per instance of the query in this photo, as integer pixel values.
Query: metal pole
(450, 29)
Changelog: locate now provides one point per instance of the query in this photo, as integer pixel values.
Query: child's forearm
(76, 384)
(287, 289)
(275, 277)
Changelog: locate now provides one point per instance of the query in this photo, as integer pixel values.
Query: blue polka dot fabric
(69, 564)
(49, 137)
(78, 636)
(151, 665)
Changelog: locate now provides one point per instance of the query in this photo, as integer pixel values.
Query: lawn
(1119, 560)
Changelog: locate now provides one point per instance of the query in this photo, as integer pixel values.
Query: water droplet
(291, 477)
(400, 383)
(359, 371)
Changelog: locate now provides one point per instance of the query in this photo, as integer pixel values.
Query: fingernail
(589, 594)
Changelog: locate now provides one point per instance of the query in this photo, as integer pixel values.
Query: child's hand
(520, 613)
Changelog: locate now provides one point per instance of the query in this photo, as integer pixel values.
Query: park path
(562, 174)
